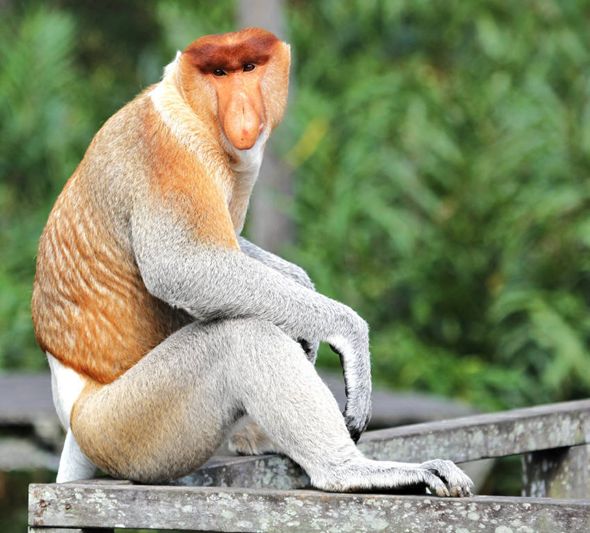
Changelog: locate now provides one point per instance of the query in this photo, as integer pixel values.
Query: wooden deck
(269, 493)
(229, 509)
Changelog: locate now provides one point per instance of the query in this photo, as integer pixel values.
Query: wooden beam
(69, 530)
(558, 473)
(214, 509)
(483, 436)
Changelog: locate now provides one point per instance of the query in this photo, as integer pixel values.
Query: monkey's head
(240, 80)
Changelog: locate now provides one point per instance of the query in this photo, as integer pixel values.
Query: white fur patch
(66, 386)
(248, 162)
(171, 67)
(345, 349)
(246, 167)
(73, 464)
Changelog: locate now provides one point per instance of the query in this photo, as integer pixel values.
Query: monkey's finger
(434, 484)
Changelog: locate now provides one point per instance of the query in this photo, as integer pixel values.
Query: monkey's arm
(290, 270)
(283, 266)
(210, 281)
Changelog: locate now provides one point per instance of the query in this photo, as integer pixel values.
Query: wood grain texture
(110, 504)
(488, 435)
(557, 473)
(215, 509)
(70, 530)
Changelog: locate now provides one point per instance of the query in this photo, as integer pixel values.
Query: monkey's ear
(275, 84)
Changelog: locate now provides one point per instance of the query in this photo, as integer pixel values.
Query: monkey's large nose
(241, 123)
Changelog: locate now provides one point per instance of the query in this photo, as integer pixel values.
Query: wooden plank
(483, 436)
(558, 473)
(214, 509)
(252, 472)
(68, 530)
(462, 439)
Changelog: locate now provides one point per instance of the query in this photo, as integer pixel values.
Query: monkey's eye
(219, 72)
(249, 66)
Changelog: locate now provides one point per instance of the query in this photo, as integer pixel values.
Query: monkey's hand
(210, 282)
(357, 411)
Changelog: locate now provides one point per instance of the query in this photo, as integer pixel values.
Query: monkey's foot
(457, 483)
(438, 476)
(251, 440)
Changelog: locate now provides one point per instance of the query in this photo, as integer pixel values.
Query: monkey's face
(242, 79)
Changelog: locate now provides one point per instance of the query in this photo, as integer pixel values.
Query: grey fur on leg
(248, 438)
(312, 433)
(187, 274)
(439, 477)
(201, 380)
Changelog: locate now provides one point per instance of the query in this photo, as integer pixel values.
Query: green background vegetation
(440, 152)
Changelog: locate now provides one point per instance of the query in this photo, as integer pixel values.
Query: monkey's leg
(166, 415)
(248, 438)
(293, 405)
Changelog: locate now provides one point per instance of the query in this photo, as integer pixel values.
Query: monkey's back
(90, 307)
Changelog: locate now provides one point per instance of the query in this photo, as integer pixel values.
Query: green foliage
(65, 70)
(441, 151)
(447, 195)
(37, 83)
(43, 130)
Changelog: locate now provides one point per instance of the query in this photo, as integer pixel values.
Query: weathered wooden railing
(268, 493)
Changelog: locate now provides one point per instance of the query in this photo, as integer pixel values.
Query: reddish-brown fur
(223, 51)
(90, 307)
(179, 175)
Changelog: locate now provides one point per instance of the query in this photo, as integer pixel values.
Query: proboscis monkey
(163, 327)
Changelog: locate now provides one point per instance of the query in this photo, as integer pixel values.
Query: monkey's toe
(458, 483)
